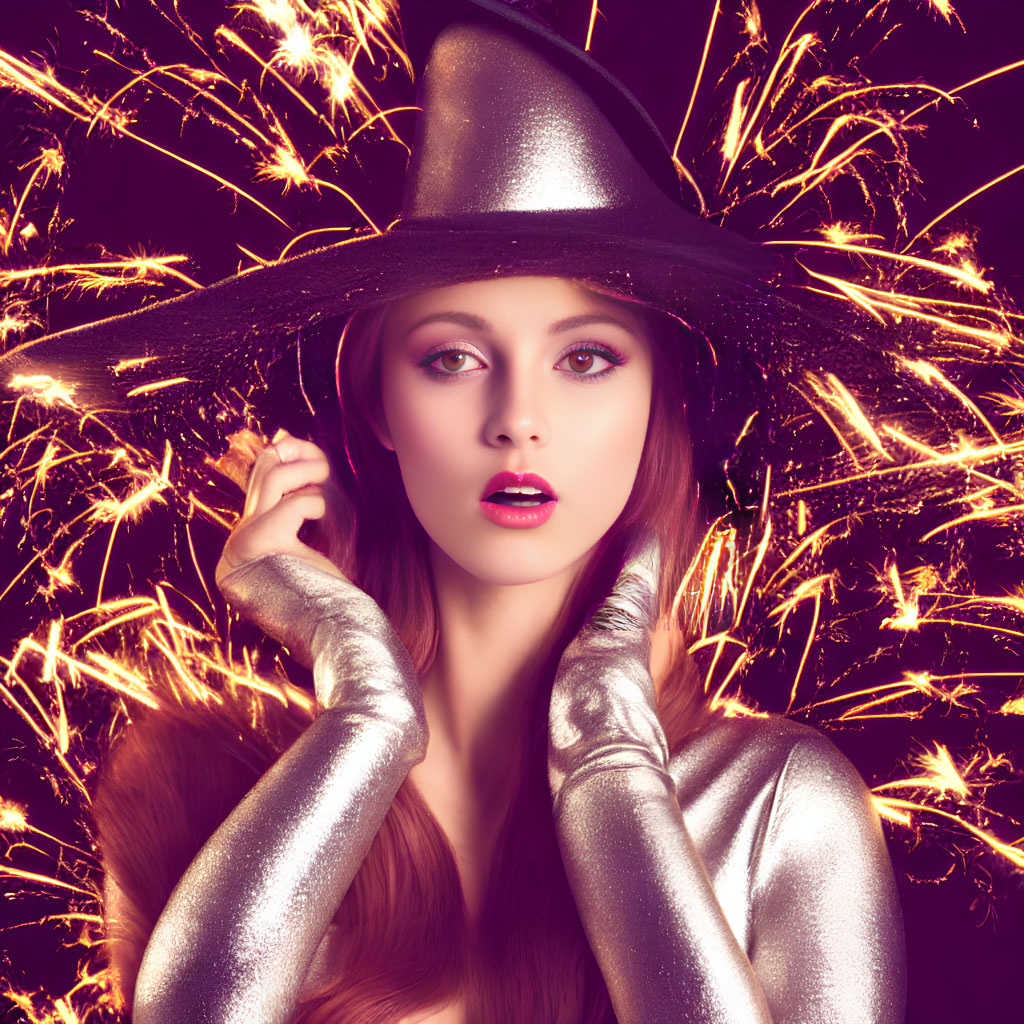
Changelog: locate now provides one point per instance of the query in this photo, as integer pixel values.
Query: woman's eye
(581, 361)
(452, 362)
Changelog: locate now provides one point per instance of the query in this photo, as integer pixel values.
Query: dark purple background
(964, 961)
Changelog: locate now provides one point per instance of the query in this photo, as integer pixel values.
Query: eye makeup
(603, 350)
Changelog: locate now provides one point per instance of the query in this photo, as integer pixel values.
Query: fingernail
(281, 433)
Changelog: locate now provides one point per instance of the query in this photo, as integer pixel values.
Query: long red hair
(404, 944)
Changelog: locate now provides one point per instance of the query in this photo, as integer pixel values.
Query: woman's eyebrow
(584, 320)
(475, 323)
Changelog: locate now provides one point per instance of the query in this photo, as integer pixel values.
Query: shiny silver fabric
(746, 880)
(502, 129)
(756, 886)
(240, 930)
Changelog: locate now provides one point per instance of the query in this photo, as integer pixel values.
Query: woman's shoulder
(766, 772)
(763, 797)
(755, 747)
(773, 782)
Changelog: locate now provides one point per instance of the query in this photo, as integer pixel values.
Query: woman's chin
(508, 561)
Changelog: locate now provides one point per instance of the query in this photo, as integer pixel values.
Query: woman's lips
(518, 516)
(506, 478)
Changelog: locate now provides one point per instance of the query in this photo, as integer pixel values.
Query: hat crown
(504, 129)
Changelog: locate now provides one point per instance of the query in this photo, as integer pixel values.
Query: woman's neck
(491, 642)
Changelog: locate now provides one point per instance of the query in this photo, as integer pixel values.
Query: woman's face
(526, 374)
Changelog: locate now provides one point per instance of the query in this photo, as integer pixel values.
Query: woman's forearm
(824, 923)
(237, 935)
(656, 928)
(654, 924)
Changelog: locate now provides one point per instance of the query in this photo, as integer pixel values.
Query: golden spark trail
(992, 513)
(988, 76)
(833, 391)
(46, 738)
(731, 139)
(716, 10)
(956, 206)
(845, 97)
(716, 700)
(197, 93)
(232, 37)
(116, 677)
(50, 161)
(929, 373)
(919, 683)
(903, 121)
(799, 48)
(874, 299)
(809, 588)
(1007, 850)
(972, 280)
(762, 549)
(31, 876)
(131, 507)
(807, 543)
(157, 264)
(590, 27)
(298, 238)
(959, 459)
(27, 79)
(14, 819)
(337, 188)
(814, 174)
(39, 555)
(376, 117)
(157, 385)
(845, 157)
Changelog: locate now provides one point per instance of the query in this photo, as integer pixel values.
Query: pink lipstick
(505, 502)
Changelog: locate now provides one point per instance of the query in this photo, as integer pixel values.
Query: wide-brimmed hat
(529, 159)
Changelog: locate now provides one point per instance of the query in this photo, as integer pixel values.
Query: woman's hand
(286, 489)
(300, 598)
(602, 711)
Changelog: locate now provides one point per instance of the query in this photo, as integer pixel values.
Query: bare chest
(469, 823)
(471, 829)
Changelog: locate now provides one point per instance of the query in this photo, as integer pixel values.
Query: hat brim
(167, 361)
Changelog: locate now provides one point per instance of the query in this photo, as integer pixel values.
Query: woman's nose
(516, 416)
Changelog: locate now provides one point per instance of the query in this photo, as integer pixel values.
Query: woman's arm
(827, 938)
(826, 934)
(239, 931)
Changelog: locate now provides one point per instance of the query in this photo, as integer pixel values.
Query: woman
(743, 879)
(774, 902)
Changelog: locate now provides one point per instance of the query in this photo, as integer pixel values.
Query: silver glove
(239, 932)
(808, 885)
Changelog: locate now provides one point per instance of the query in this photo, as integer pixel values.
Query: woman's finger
(285, 477)
(264, 462)
(283, 448)
(633, 601)
(292, 449)
(275, 531)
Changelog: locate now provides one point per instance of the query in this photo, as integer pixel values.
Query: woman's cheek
(431, 446)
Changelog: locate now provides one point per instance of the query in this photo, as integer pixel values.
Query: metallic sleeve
(825, 939)
(240, 929)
